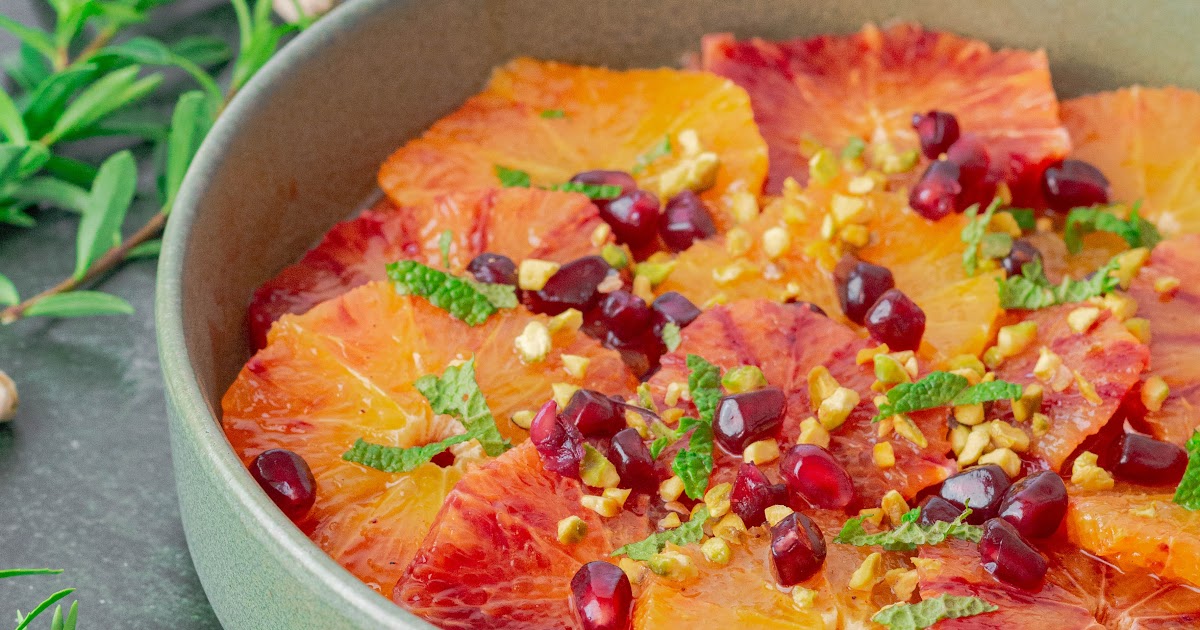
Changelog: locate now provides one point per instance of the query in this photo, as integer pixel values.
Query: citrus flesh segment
(1173, 335)
(1137, 530)
(344, 371)
(924, 257)
(609, 119)
(868, 85)
(493, 559)
(1147, 143)
(518, 223)
(786, 342)
(1098, 368)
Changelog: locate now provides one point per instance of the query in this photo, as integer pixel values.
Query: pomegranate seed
(859, 284)
(1022, 253)
(937, 509)
(621, 313)
(593, 413)
(559, 443)
(1145, 460)
(574, 285)
(684, 221)
(602, 596)
(753, 493)
(287, 480)
(742, 419)
(1007, 556)
(641, 353)
(673, 307)
(493, 269)
(1074, 183)
(897, 321)
(797, 549)
(1035, 505)
(935, 195)
(936, 131)
(445, 459)
(633, 217)
(633, 461)
(806, 305)
(812, 474)
(973, 162)
(620, 179)
(981, 486)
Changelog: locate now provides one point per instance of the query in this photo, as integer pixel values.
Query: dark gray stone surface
(85, 470)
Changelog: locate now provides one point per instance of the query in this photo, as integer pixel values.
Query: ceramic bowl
(298, 149)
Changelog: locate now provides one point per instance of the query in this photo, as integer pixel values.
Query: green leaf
(149, 249)
(14, 215)
(9, 573)
(671, 336)
(112, 92)
(551, 114)
(909, 535)
(11, 123)
(27, 68)
(511, 177)
(79, 304)
(259, 39)
(463, 299)
(52, 191)
(1026, 218)
(8, 297)
(190, 122)
(395, 459)
(72, 617)
(457, 394)
(48, 101)
(202, 50)
(942, 389)
(704, 383)
(100, 227)
(644, 160)
(500, 295)
(1188, 492)
(71, 170)
(1032, 290)
(694, 468)
(444, 241)
(152, 52)
(41, 608)
(973, 234)
(925, 613)
(686, 534)
(31, 37)
(593, 191)
(1136, 231)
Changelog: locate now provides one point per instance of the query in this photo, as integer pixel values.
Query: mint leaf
(396, 459)
(512, 178)
(500, 295)
(911, 516)
(690, 532)
(457, 394)
(671, 336)
(593, 191)
(1188, 492)
(973, 234)
(1032, 290)
(995, 245)
(1025, 217)
(464, 299)
(444, 241)
(659, 150)
(1136, 231)
(704, 383)
(943, 389)
(909, 534)
(551, 114)
(925, 613)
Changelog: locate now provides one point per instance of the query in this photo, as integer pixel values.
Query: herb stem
(102, 38)
(105, 263)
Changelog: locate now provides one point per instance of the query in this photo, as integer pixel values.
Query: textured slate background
(85, 470)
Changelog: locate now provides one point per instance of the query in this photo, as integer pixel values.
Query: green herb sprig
(1031, 289)
(1188, 492)
(686, 534)
(925, 613)
(57, 622)
(87, 77)
(943, 389)
(1136, 231)
(909, 535)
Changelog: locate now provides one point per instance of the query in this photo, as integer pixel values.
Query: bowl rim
(301, 557)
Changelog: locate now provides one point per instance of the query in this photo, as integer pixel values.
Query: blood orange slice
(344, 371)
(553, 120)
(868, 86)
(1147, 142)
(786, 342)
(493, 558)
(1098, 368)
(519, 223)
(1173, 334)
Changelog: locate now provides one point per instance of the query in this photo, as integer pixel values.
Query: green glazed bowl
(298, 149)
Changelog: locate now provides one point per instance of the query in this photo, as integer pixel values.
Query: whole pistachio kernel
(596, 471)
(717, 499)
(744, 378)
(672, 565)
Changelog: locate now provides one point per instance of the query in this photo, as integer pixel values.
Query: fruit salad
(850, 331)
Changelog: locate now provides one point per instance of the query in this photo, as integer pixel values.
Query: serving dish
(300, 145)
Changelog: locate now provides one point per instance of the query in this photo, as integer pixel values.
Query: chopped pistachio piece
(1005, 435)
(1086, 474)
(522, 418)
(716, 551)
(894, 507)
(1029, 403)
(884, 455)
(576, 365)
(1154, 393)
(571, 530)
(730, 528)
(744, 378)
(821, 384)
(972, 450)
(813, 432)
(1014, 339)
(615, 256)
(670, 489)
(533, 344)
(596, 471)
(869, 573)
(761, 452)
(562, 393)
(603, 506)
(1083, 318)
(672, 565)
(532, 274)
(834, 410)
(776, 242)
(776, 513)
(1006, 459)
(717, 499)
